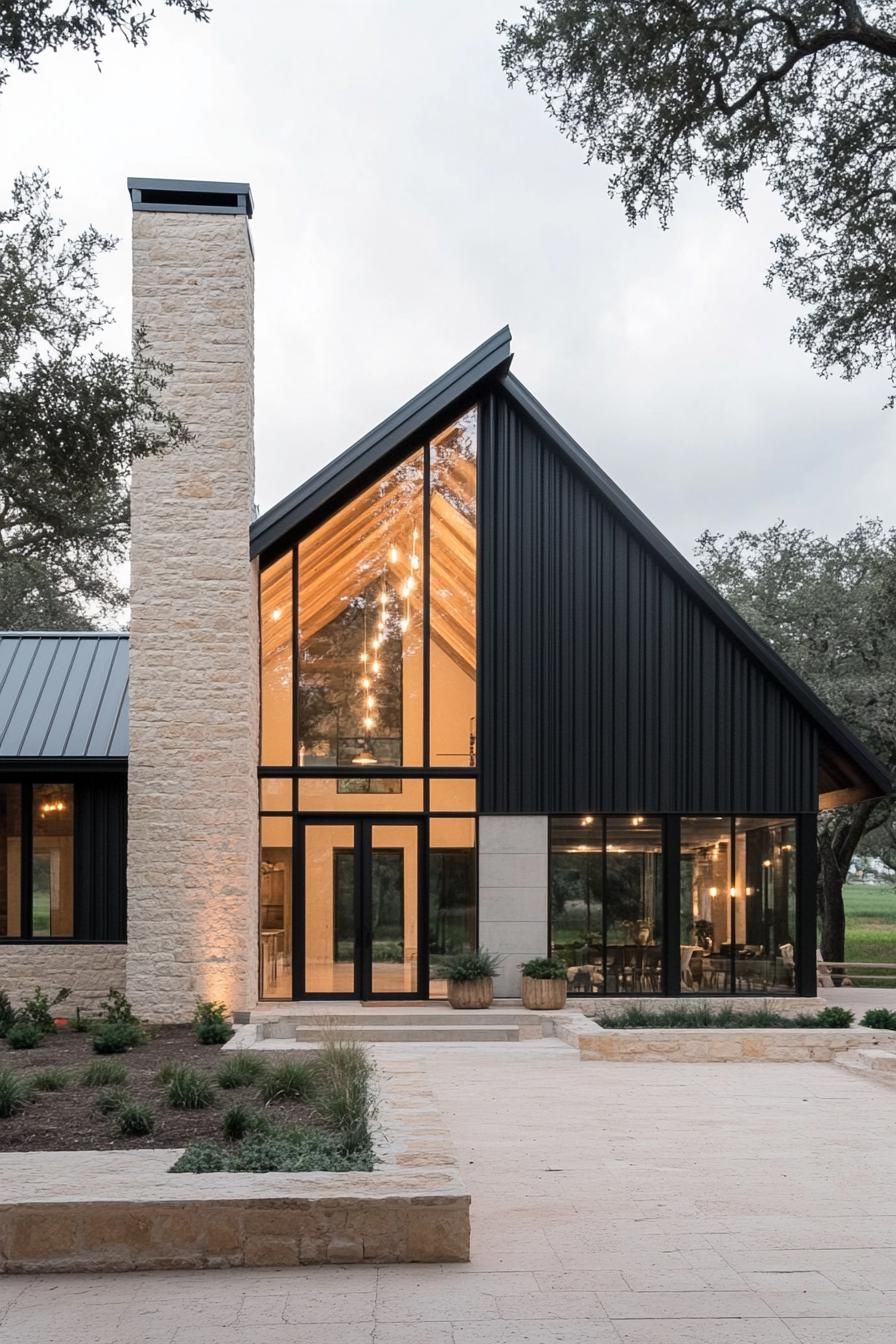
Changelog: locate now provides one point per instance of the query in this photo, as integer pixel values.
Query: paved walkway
(613, 1204)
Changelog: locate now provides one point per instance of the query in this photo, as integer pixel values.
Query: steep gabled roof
(847, 767)
(459, 383)
(844, 760)
(63, 697)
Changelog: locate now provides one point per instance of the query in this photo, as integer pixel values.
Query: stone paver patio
(612, 1204)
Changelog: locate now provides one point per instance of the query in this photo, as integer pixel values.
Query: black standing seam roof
(63, 696)
(489, 364)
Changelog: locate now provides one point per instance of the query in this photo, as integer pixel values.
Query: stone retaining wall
(719, 1044)
(89, 970)
(126, 1210)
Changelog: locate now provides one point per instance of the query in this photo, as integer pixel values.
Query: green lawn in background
(870, 928)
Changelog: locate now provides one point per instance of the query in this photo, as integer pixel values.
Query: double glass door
(360, 908)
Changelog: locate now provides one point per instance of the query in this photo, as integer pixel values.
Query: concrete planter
(545, 994)
(471, 993)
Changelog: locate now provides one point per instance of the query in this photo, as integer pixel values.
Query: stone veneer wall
(192, 790)
(513, 893)
(89, 970)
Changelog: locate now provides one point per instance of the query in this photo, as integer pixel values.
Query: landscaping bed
(696, 1016)
(70, 1118)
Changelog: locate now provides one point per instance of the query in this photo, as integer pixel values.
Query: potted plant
(544, 983)
(469, 976)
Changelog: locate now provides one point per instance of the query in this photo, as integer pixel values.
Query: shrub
(7, 1013)
(241, 1071)
(882, 1019)
(544, 968)
(209, 1023)
(116, 1008)
(37, 1010)
(189, 1089)
(113, 1038)
(111, 1099)
(834, 1017)
(693, 1015)
(477, 965)
(14, 1093)
(50, 1080)
(343, 1093)
(238, 1121)
(104, 1073)
(277, 1150)
(291, 1080)
(167, 1070)
(24, 1036)
(135, 1117)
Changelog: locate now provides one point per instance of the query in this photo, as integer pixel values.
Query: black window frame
(804, 917)
(26, 908)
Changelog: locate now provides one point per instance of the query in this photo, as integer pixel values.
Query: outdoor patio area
(608, 1208)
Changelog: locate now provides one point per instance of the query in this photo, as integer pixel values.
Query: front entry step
(381, 1031)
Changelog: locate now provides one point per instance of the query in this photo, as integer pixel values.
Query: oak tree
(802, 92)
(828, 606)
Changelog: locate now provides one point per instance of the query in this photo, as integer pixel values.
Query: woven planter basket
(543, 993)
(471, 993)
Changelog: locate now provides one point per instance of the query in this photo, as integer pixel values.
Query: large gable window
(360, 645)
(371, 607)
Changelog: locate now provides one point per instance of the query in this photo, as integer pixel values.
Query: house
(455, 690)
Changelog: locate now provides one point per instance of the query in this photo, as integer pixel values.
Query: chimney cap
(187, 197)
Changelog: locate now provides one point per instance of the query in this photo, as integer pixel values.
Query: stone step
(880, 1063)
(380, 1031)
(283, 1026)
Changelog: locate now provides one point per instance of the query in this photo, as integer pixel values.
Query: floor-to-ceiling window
(606, 902)
(368, 709)
(737, 904)
(736, 899)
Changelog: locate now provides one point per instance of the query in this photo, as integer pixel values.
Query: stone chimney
(192, 790)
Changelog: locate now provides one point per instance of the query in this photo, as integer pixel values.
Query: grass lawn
(871, 927)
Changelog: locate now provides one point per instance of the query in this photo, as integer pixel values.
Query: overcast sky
(408, 205)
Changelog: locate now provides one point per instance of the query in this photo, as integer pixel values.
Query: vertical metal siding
(604, 684)
(100, 859)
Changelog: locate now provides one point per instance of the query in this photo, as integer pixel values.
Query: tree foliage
(73, 417)
(801, 91)
(28, 28)
(829, 608)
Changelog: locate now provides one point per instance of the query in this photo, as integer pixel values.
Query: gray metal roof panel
(63, 696)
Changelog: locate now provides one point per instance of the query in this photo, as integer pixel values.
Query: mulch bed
(69, 1119)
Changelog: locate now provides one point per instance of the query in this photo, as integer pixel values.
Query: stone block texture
(89, 970)
(192, 792)
(788, 1045)
(513, 893)
(127, 1210)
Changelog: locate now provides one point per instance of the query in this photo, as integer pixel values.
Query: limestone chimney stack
(192, 789)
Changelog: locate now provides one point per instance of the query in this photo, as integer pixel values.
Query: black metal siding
(101, 859)
(605, 685)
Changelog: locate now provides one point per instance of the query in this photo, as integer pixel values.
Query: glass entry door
(360, 909)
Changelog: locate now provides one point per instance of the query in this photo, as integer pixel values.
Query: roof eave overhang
(277, 525)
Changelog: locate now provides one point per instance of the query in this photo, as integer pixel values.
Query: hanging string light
(370, 658)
